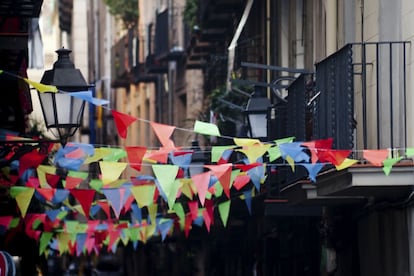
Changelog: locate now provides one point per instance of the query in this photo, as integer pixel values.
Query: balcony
(124, 56)
(215, 30)
(358, 97)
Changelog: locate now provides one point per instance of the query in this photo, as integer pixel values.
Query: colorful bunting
(139, 195)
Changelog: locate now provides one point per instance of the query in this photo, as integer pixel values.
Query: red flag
(122, 122)
(135, 155)
(52, 179)
(85, 198)
(46, 193)
(72, 182)
(193, 206)
(30, 160)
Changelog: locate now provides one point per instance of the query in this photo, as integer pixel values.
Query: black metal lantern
(61, 111)
(256, 113)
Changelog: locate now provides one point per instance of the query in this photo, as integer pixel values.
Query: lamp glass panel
(47, 102)
(68, 110)
(258, 125)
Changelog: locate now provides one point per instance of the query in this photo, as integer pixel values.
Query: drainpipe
(331, 26)
(268, 61)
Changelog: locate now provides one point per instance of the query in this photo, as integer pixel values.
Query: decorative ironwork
(334, 108)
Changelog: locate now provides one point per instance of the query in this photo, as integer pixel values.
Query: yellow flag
(41, 87)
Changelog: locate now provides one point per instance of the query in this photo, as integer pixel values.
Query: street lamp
(61, 111)
(256, 113)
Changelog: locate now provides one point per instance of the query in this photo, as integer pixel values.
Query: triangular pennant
(160, 156)
(166, 175)
(60, 196)
(52, 180)
(164, 133)
(179, 211)
(87, 96)
(117, 198)
(135, 156)
(111, 171)
(72, 182)
(223, 173)
(240, 181)
(375, 157)
(248, 200)
(143, 194)
(105, 207)
(218, 151)
(53, 214)
(207, 220)
(30, 160)
(85, 198)
(295, 151)
(44, 241)
(346, 163)
(46, 193)
(313, 169)
(243, 142)
(253, 152)
(388, 163)
(193, 206)
(335, 157)
(206, 128)
(23, 196)
(136, 213)
(165, 227)
(274, 153)
(224, 210)
(201, 182)
(257, 176)
(80, 243)
(122, 122)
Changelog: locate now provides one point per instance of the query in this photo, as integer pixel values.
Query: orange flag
(122, 122)
(135, 155)
(164, 133)
(375, 157)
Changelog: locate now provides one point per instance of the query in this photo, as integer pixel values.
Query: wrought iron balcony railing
(359, 98)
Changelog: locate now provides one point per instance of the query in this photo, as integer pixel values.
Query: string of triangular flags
(119, 211)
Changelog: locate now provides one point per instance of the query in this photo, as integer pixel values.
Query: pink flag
(223, 173)
(164, 133)
(375, 157)
(201, 182)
